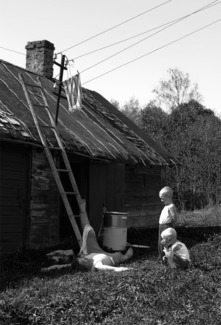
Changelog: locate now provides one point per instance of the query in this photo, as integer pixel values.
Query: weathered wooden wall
(142, 201)
(31, 212)
(14, 196)
(106, 189)
(44, 207)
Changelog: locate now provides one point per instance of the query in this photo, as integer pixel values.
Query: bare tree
(177, 90)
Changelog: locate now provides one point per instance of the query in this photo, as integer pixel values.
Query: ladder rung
(40, 105)
(47, 126)
(75, 216)
(63, 170)
(32, 85)
(70, 193)
(55, 148)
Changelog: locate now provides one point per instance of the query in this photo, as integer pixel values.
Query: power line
(124, 40)
(109, 57)
(159, 48)
(143, 39)
(149, 30)
(4, 48)
(203, 8)
(171, 22)
(120, 24)
(209, 5)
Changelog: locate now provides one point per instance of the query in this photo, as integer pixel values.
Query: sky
(78, 27)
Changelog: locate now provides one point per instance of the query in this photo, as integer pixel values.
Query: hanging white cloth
(73, 92)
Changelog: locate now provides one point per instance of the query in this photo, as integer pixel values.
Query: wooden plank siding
(14, 196)
(142, 202)
(45, 201)
(97, 193)
(31, 211)
(115, 188)
(106, 190)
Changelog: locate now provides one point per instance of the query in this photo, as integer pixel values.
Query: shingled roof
(98, 130)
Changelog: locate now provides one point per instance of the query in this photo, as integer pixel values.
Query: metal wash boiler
(115, 230)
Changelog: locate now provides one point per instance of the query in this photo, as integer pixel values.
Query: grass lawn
(149, 293)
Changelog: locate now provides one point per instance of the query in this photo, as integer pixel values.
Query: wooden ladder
(48, 151)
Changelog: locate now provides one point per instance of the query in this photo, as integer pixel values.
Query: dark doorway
(14, 196)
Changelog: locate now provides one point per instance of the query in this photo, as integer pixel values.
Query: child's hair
(169, 233)
(167, 190)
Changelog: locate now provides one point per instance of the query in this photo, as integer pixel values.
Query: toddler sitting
(176, 252)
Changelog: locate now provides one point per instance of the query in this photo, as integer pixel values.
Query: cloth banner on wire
(72, 87)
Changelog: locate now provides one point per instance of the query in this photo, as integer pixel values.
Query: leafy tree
(115, 103)
(177, 90)
(191, 132)
(132, 110)
(195, 140)
(154, 121)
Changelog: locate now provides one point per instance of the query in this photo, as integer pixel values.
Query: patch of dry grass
(207, 217)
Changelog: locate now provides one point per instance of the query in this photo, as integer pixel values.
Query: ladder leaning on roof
(48, 151)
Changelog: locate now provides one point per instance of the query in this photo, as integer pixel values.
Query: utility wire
(209, 5)
(4, 48)
(159, 48)
(7, 49)
(126, 48)
(124, 40)
(124, 22)
(143, 39)
(147, 31)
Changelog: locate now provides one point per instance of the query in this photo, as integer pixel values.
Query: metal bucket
(115, 219)
(115, 230)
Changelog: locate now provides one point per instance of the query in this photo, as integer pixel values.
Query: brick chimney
(39, 57)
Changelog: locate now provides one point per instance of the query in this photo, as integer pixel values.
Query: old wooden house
(115, 163)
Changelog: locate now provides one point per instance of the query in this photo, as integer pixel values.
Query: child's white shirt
(179, 249)
(165, 216)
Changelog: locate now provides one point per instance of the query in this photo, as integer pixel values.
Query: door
(14, 196)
